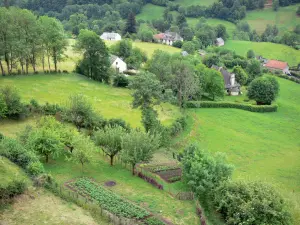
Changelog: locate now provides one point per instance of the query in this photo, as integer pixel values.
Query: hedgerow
(247, 107)
(107, 199)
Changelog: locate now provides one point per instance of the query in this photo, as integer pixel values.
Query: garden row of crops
(107, 199)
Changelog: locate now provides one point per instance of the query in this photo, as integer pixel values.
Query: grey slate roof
(184, 53)
(226, 75)
(113, 58)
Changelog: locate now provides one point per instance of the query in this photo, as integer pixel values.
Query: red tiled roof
(276, 64)
(159, 36)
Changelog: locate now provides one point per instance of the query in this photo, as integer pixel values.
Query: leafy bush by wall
(251, 108)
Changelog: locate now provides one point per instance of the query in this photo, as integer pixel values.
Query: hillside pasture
(266, 49)
(194, 2)
(285, 18)
(151, 12)
(56, 88)
(262, 146)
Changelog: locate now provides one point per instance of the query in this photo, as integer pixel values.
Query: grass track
(266, 49)
(262, 146)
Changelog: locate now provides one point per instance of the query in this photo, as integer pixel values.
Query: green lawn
(151, 12)
(194, 2)
(266, 49)
(262, 146)
(108, 101)
(285, 18)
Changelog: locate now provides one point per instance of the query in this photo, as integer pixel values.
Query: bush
(13, 102)
(250, 203)
(153, 221)
(35, 168)
(178, 126)
(247, 107)
(1, 136)
(178, 44)
(16, 187)
(120, 80)
(18, 154)
(118, 122)
(51, 109)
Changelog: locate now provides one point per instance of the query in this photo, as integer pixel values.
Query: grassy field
(262, 146)
(10, 172)
(38, 206)
(108, 101)
(151, 12)
(194, 2)
(230, 27)
(285, 18)
(266, 49)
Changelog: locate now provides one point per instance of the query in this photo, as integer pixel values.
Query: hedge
(294, 79)
(251, 108)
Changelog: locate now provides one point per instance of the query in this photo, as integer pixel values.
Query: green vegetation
(261, 146)
(38, 206)
(108, 101)
(107, 199)
(285, 18)
(194, 2)
(266, 49)
(150, 12)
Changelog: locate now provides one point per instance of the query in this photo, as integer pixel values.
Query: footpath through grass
(266, 49)
(108, 101)
(262, 146)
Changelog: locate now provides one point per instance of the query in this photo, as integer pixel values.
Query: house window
(116, 63)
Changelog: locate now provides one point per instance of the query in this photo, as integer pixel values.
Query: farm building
(232, 87)
(168, 37)
(275, 65)
(118, 64)
(111, 36)
(220, 42)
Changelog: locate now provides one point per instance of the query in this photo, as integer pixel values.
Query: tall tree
(130, 24)
(184, 81)
(138, 147)
(110, 140)
(95, 63)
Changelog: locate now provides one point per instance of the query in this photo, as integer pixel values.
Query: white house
(111, 36)
(118, 64)
(220, 42)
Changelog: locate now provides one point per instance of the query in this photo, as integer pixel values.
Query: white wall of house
(111, 37)
(119, 65)
(286, 70)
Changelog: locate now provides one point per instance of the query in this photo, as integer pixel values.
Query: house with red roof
(168, 37)
(275, 65)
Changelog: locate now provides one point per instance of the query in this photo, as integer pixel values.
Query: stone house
(118, 64)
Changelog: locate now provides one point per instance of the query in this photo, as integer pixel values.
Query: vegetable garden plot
(107, 199)
(172, 175)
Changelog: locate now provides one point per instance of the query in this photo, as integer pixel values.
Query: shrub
(35, 168)
(13, 102)
(247, 107)
(250, 203)
(14, 188)
(177, 44)
(1, 136)
(120, 80)
(118, 122)
(51, 109)
(153, 221)
(178, 126)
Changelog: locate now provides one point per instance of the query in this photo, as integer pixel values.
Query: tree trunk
(7, 62)
(47, 158)
(55, 59)
(27, 65)
(111, 160)
(43, 61)
(49, 63)
(2, 69)
(22, 66)
(33, 63)
(133, 172)
(81, 167)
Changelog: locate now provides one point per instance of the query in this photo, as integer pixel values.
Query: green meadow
(266, 49)
(151, 12)
(285, 18)
(108, 101)
(261, 146)
(194, 2)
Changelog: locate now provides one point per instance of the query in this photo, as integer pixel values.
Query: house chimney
(232, 79)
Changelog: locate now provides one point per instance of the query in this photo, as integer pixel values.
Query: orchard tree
(110, 140)
(240, 75)
(78, 110)
(263, 90)
(138, 147)
(205, 172)
(83, 150)
(95, 63)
